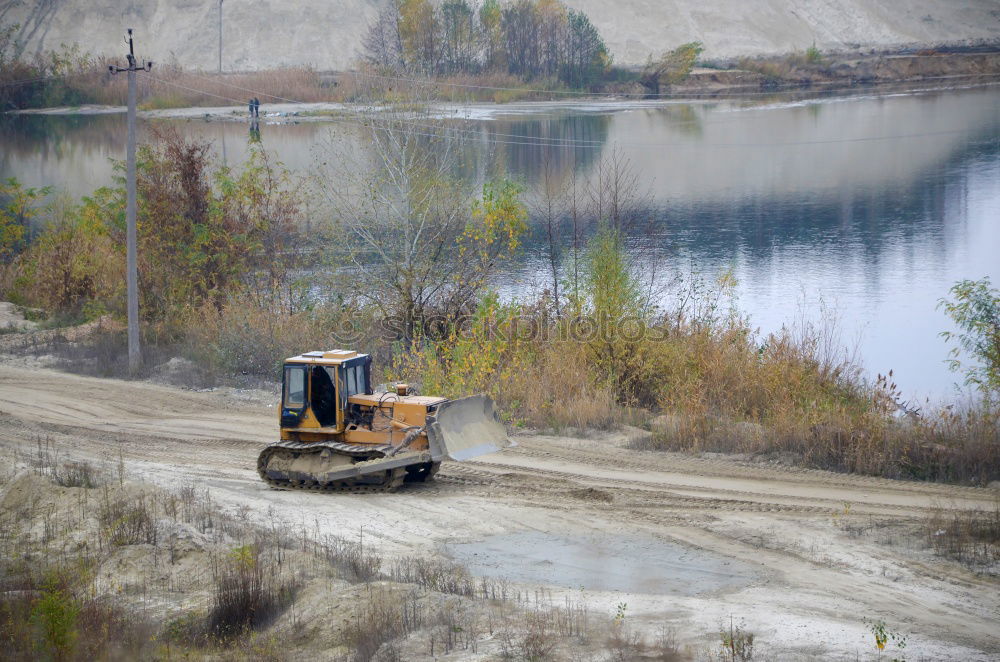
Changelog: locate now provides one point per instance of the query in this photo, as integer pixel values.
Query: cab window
(295, 387)
(352, 380)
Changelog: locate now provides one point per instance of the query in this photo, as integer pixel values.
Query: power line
(39, 79)
(822, 86)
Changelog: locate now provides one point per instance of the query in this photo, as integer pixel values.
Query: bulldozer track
(727, 468)
(393, 479)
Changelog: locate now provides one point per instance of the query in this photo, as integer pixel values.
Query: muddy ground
(802, 556)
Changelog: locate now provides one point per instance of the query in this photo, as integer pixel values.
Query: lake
(870, 206)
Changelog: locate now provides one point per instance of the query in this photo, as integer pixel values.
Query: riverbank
(705, 92)
(310, 95)
(812, 69)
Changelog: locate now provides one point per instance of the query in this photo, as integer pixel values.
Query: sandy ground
(808, 586)
(317, 33)
(12, 318)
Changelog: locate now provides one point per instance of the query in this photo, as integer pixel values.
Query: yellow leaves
(499, 220)
(243, 557)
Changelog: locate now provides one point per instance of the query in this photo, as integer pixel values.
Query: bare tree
(614, 194)
(549, 203)
(418, 240)
(382, 45)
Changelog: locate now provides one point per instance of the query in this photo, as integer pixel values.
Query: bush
(247, 592)
(241, 338)
(55, 614)
(975, 308)
(126, 518)
(971, 537)
(205, 234)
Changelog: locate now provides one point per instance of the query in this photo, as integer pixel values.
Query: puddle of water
(629, 564)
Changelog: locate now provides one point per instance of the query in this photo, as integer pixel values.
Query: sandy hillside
(328, 34)
(803, 556)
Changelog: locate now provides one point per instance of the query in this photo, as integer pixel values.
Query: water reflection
(876, 205)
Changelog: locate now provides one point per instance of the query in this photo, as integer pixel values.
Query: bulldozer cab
(316, 386)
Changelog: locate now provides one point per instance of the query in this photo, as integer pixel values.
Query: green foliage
(974, 306)
(198, 243)
(18, 205)
(616, 309)
(499, 220)
(884, 636)
(55, 615)
(531, 39)
(736, 643)
(813, 55)
(672, 67)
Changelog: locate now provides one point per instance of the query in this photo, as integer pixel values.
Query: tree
(618, 309)
(491, 33)
(526, 38)
(548, 205)
(975, 308)
(672, 67)
(586, 56)
(458, 28)
(382, 45)
(552, 20)
(613, 192)
(418, 242)
(419, 31)
(18, 205)
(520, 24)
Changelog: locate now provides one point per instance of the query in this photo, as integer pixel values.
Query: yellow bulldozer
(338, 434)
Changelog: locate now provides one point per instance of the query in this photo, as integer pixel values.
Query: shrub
(126, 518)
(55, 613)
(971, 537)
(975, 308)
(241, 338)
(247, 593)
(78, 474)
(672, 67)
(72, 266)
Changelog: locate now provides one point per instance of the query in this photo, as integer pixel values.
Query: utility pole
(220, 36)
(131, 269)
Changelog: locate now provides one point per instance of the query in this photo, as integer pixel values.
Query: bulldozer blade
(465, 428)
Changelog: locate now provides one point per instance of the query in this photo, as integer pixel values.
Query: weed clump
(127, 519)
(247, 593)
(971, 537)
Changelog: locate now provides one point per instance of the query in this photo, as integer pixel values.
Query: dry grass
(82, 579)
(87, 81)
(248, 591)
(173, 87)
(246, 339)
(971, 537)
(721, 389)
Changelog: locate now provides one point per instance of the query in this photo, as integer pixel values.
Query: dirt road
(802, 556)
